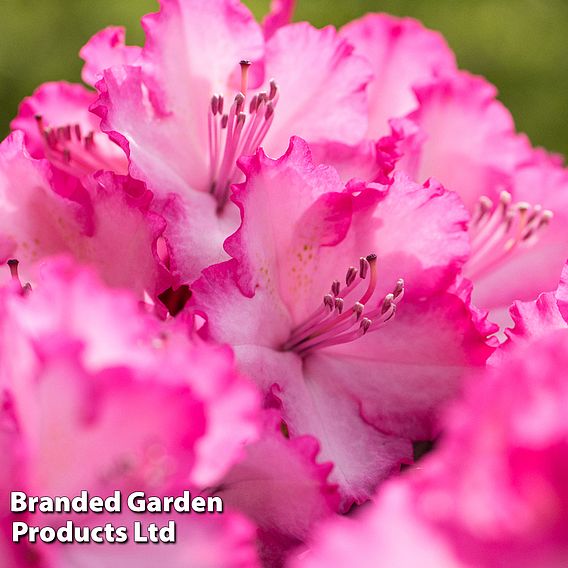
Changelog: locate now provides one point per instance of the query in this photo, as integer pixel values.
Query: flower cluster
(279, 264)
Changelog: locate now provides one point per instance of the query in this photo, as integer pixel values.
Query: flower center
(334, 322)
(498, 230)
(67, 148)
(237, 133)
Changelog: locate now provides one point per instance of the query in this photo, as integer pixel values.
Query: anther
(351, 275)
(363, 267)
(245, 65)
(335, 287)
(365, 325)
(339, 302)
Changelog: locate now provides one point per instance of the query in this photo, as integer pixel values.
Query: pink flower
(104, 221)
(338, 375)
(186, 112)
(492, 495)
(431, 120)
(466, 139)
(97, 395)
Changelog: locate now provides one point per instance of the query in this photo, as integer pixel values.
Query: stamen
(70, 151)
(333, 324)
(499, 230)
(238, 133)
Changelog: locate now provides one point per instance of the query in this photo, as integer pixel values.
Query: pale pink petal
(402, 54)
(291, 209)
(404, 375)
(321, 87)
(195, 233)
(106, 49)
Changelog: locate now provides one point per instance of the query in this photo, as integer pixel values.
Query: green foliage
(520, 45)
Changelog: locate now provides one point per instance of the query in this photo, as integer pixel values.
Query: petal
(195, 233)
(281, 12)
(467, 138)
(279, 246)
(535, 319)
(316, 404)
(204, 541)
(106, 49)
(281, 487)
(402, 54)
(321, 85)
(405, 373)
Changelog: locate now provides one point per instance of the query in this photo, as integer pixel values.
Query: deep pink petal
(106, 49)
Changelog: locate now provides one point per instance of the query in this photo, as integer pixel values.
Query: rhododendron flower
(448, 125)
(494, 492)
(206, 89)
(104, 221)
(512, 191)
(97, 395)
(350, 370)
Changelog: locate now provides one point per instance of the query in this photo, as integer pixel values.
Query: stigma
(498, 230)
(238, 132)
(338, 321)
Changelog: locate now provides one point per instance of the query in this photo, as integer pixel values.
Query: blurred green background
(520, 45)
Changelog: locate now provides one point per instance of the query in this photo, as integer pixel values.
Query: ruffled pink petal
(321, 87)
(467, 139)
(367, 161)
(106, 49)
(535, 319)
(63, 106)
(281, 487)
(83, 365)
(281, 12)
(403, 54)
(419, 233)
(290, 210)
